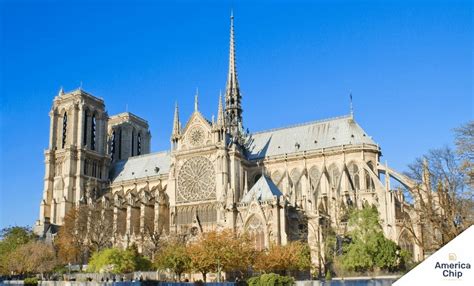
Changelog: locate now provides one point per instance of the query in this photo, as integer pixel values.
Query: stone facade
(280, 185)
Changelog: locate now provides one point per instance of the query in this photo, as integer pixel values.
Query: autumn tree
(174, 256)
(33, 257)
(293, 256)
(86, 229)
(221, 251)
(10, 239)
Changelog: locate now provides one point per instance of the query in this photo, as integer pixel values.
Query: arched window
(277, 179)
(93, 126)
(354, 174)
(139, 144)
(333, 176)
(255, 229)
(64, 130)
(112, 144)
(295, 176)
(369, 183)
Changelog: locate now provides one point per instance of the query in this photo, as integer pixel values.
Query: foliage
(11, 239)
(369, 248)
(271, 279)
(174, 256)
(78, 237)
(30, 281)
(115, 260)
(328, 276)
(32, 257)
(292, 256)
(223, 250)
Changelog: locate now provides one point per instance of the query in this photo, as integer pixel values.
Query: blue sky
(409, 66)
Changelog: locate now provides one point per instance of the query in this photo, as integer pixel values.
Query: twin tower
(85, 142)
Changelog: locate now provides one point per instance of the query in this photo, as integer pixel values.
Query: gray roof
(305, 137)
(263, 190)
(140, 167)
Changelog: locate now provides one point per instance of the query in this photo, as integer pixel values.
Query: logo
(453, 269)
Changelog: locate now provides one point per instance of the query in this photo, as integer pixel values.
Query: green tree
(114, 260)
(369, 248)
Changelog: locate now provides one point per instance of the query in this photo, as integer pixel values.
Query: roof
(307, 136)
(263, 190)
(140, 167)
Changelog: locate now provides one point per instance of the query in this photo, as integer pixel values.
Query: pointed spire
(233, 109)
(220, 112)
(351, 107)
(176, 124)
(61, 91)
(232, 82)
(196, 103)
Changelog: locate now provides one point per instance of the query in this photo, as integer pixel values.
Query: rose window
(196, 180)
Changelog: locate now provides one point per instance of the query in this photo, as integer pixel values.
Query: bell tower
(76, 162)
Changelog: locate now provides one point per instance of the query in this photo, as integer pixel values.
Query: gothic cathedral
(280, 185)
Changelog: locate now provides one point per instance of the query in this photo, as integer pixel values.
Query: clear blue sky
(409, 66)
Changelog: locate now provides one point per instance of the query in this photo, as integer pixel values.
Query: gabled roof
(140, 167)
(305, 137)
(263, 190)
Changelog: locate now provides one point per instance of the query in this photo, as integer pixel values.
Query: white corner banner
(450, 265)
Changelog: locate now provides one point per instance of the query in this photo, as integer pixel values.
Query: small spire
(196, 103)
(61, 91)
(220, 111)
(351, 106)
(176, 121)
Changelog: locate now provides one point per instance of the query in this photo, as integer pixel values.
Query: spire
(232, 81)
(351, 107)
(61, 91)
(196, 103)
(220, 112)
(176, 121)
(233, 109)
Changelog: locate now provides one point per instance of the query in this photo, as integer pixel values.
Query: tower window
(133, 143)
(120, 145)
(64, 129)
(139, 144)
(86, 114)
(93, 126)
(112, 145)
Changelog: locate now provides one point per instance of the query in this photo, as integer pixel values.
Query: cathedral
(279, 185)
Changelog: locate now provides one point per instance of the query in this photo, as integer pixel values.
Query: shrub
(32, 281)
(271, 279)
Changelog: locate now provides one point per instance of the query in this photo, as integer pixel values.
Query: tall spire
(176, 121)
(61, 91)
(232, 81)
(233, 109)
(220, 112)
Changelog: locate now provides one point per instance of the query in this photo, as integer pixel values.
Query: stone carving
(196, 180)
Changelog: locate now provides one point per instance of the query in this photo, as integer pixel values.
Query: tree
(368, 247)
(33, 257)
(442, 203)
(282, 258)
(464, 140)
(174, 256)
(221, 251)
(11, 239)
(86, 229)
(114, 260)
